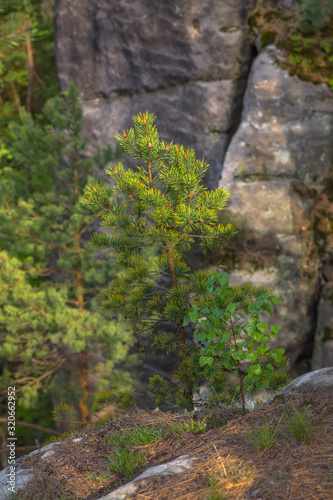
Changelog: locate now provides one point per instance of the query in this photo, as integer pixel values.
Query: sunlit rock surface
(276, 168)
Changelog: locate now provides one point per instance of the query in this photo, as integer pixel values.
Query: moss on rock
(309, 55)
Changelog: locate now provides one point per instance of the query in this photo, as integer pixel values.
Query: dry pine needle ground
(228, 465)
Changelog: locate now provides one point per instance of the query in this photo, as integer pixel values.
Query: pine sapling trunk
(241, 387)
(239, 370)
(188, 387)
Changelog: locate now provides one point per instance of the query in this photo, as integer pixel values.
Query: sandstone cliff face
(276, 168)
(188, 62)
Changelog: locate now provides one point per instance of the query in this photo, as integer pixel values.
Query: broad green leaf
(186, 321)
(251, 328)
(255, 369)
(262, 349)
(203, 360)
(223, 279)
(226, 337)
(211, 335)
(262, 325)
(257, 336)
(201, 335)
(193, 315)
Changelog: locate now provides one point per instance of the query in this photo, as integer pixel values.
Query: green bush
(231, 334)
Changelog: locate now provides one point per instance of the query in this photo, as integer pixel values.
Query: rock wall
(188, 61)
(276, 169)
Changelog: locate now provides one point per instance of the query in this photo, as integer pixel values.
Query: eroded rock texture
(186, 61)
(276, 169)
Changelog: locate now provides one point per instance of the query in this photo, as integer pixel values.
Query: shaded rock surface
(187, 62)
(323, 348)
(276, 168)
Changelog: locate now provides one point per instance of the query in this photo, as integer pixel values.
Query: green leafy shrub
(231, 334)
(124, 399)
(139, 436)
(28, 75)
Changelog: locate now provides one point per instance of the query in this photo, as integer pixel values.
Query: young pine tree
(161, 204)
(44, 226)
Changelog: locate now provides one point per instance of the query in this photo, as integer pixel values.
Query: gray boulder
(275, 168)
(319, 381)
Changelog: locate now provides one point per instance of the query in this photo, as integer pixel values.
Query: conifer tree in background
(44, 226)
(27, 62)
(39, 333)
(163, 204)
(315, 14)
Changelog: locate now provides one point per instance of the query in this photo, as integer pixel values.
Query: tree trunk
(182, 344)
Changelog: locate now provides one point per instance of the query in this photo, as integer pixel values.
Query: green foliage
(61, 413)
(315, 14)
(35, 324)
(160, 390)
(304, 36)
(215, 493)
(125, 462)
(194, 426)
(161, 204)
(27, 62)
(139, 436)
(167, 395)
(113, 395)
(231, 334)
(51, 328)
(264, 437)
(300, 425)
(102, 478)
